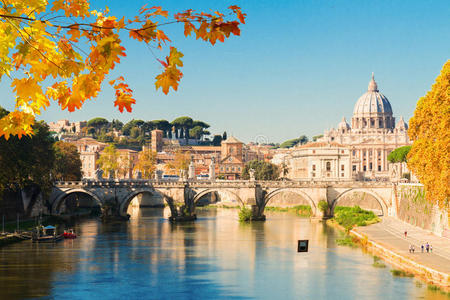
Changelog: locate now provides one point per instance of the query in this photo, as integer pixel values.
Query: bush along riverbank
(299, 210)
(348, 217)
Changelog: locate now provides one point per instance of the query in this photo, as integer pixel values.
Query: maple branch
(28, 42)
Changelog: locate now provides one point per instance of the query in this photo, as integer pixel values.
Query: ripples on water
(214, 258)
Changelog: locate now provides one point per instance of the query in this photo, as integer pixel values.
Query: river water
(214, 258)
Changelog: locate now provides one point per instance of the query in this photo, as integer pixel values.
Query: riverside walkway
(390, 233)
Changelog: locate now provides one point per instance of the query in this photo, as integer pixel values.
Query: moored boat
(46, 234)
(70, 234)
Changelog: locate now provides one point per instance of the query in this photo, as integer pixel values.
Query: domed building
(372, 135)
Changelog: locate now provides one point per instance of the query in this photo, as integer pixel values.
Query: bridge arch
(380, 200)
(273, 193)
(57, 203)
(200, 194)
(125, 202)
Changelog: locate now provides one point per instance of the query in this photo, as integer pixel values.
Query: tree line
(138, 131)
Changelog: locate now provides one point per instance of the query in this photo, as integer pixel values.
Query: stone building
(316, 161)
(232, 160)
(62, 126)
(89, 150)
(372, 135)
(157, 140)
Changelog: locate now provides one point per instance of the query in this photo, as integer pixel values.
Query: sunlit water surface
(214, 258)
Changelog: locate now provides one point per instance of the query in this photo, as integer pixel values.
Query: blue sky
(297, 68)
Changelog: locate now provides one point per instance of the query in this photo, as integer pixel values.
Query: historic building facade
(372, 135)
(89, 150)
(232, 159)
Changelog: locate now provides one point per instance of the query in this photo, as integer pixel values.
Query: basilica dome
(372, 102)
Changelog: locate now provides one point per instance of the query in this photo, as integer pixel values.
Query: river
(214, 258)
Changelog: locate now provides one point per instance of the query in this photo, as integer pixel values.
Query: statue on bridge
(251, 173)
(99, 174)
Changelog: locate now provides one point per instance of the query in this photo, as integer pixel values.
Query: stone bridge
(255, 194)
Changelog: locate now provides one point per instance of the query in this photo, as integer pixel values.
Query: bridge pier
(186, 212)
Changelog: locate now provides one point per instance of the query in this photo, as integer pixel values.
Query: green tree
(67, 163)
(27, 160)
(109, 160)
(316, 137)
(399, 154)
(98, 124)
(291, 143)
(263, 170)
(135, 132)
(116, 124)
(126, 130)
(429, 157)
(163, 125)
(183, 124)
(217, 140)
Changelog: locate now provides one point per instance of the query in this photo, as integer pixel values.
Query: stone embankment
(387, 240)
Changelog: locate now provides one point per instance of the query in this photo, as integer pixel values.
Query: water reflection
(214, 257)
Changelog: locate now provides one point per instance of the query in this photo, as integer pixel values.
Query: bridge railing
(221, 183)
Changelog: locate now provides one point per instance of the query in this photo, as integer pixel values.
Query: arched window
(328, 166)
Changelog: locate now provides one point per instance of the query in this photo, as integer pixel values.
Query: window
(221, 168)
(342, 174)
(342, 167)
(379, 168)
(232, 168)
(364, 168)
(239, 168)
(314, 167)
(372, 123)
(313, 174)
(314, 151)
(380, 124)
(328, 166)
(354, 153)
(370, 166)
(354, 168)
(228, 169)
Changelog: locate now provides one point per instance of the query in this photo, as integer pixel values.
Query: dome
(401, 125)
(343, 125)
(372, 102)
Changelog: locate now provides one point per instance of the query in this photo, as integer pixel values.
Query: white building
(317, 161)
(372, 135)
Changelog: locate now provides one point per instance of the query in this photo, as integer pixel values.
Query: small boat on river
(69, 234)
(46, 234)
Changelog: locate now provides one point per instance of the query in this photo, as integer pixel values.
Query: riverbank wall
(413, 208)
(427, 274)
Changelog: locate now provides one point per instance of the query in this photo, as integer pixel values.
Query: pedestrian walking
(421, 248)
(406, 233)
(431, 248)
(427, 247)
(410, 248)
(413, 249)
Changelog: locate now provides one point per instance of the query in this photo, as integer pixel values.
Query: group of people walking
(427, 247)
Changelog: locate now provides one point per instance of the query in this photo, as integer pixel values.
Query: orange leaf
(124, 101)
